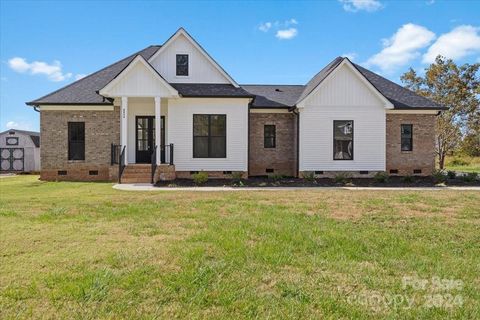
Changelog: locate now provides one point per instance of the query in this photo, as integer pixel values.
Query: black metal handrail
(121, 164)
(154, 163)
(166, 154)
(114, 153)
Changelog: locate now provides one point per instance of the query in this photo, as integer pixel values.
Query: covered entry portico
(142, 95)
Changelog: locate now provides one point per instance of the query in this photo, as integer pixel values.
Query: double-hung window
(209, 136)
(269, 136)
(76, 141)
(407, 137)
(343, 140)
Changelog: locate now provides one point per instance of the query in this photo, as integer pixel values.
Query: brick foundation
(282, 158)
(333, 174)
(422, 157)
(211, 174)
(80, 172)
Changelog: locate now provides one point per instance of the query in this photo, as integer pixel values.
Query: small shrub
(470, 177)
(407, 179)
(451, 174)
(439, 176)
(309, 176)
(237, 175)
(200, 178)
(342, 177)
(275, 177)
(381, 177)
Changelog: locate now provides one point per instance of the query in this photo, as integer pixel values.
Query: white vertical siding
(200, 69)
(139, 81)
(180, 127)
(343, 96)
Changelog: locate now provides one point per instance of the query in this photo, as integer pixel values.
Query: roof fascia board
(183, 32)
(138, 59)
(413, 111)
(76, 107)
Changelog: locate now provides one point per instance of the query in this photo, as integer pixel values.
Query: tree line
(456, 87)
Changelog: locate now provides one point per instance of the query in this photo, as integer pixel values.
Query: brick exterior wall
(283, 157)
(422, 156)
(101, 129)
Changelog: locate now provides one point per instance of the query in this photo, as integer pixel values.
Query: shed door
(12, 159)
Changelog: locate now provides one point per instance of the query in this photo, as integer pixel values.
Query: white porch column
(124, 126)
(158, 142)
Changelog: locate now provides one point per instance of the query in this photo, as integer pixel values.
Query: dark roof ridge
(90, 75)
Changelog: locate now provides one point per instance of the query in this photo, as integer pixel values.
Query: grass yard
(463, 164)
(84, 250)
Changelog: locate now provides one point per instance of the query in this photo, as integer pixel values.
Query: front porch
(144, 154)
(142, 95)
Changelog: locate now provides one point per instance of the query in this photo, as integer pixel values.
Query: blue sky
(47, 45)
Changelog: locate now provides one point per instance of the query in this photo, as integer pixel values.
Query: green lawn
(463, 164)
(85, 250)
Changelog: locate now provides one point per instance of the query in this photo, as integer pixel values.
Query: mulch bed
(324, 182)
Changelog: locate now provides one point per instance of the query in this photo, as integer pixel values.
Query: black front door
(145, 138)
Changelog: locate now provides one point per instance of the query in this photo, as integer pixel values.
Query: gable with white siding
(202, 69)
(343, 95)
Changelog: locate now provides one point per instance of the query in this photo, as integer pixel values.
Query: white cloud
(22, 125)
(12, 125)
(358, 5)
(430, 2)
(265, 26)
(460, 42)
(284, 29)
(52, 71)
(4, 79)
(80, 76)
(286, 34)
(402, 47)
(350, 55)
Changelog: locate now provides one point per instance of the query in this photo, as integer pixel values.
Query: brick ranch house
(175, 107)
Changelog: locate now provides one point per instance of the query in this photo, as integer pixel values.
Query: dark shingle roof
(84, 91)
(274, 96)
(35, 136)
(210, 90)
(400, 97)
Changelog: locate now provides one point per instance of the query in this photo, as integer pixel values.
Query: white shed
(19, 151)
